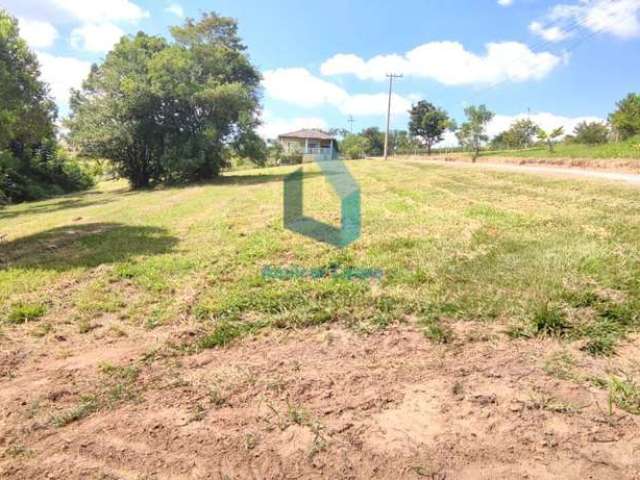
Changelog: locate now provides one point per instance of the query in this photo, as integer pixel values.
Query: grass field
(529, 252)
(528, 258)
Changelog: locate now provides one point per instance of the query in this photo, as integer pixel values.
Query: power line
(391, 77)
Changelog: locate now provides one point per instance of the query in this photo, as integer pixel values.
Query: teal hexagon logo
(347, 190)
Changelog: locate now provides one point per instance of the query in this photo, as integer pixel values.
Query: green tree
(403, 143)
(472, 133)
(355, 146)
(171, 112)
(27, 112)
(591, 133)
(31, 165)
(520, 134)
(626, 119)
(375, 141)
(428, 123)
(550, 137)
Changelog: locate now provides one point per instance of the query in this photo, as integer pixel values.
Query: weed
(25, 312)
(88, 405)
(199, 414)
(561, 365)
(250, 441)
(120, 385)
(550, 320)
(217, 397)
(540, 400)
(19, 451)
(625, 394)
(42, 330)
(297, 414)
(319, 443)
(437, 333)
(222, 335)
(85, 326)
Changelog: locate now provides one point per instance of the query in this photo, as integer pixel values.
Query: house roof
(311, 134)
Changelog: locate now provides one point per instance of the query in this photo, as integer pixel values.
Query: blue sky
(565, 60)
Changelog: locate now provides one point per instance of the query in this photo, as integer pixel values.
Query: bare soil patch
(318, 403)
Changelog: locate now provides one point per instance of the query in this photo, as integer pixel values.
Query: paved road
(630, 178)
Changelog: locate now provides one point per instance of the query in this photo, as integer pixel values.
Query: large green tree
(428, 123)
(27, 112)
(626, 119)
(30, 164)
(591, 133)
(174, 111)
(472, 133)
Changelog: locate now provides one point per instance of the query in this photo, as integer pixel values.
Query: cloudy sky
(563, 61)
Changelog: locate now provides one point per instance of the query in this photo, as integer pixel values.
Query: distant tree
(375, 139)
(404, 143)
(523, 132)
(354, 146)
(520, 134)
(549, 137)
(428, 123)
(171, 112)
(338, 132)
(591, 133)
(626, 119)
(275, 151)
(472, 133)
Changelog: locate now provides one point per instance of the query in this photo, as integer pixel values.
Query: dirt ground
(322, 403)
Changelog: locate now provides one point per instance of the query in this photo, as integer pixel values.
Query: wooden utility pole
(351, 120)
(390, 76)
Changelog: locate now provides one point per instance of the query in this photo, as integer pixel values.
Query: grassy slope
(608, 151)
(538, 255)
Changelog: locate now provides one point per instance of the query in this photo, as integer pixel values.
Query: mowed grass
(539, 256)
(622, 150)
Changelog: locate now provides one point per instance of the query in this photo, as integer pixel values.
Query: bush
(40, 173)
(355, 146)
(291, 159)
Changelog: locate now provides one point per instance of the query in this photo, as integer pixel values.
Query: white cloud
(547, 121)
(550, 34)
(96, 38)
(38, 34)
(176, 9)
(616, 17)
(62, 74)
(505, 3)
(101, 11)
(273, 126)
(450, 64)
(375, 104)
(298, 86)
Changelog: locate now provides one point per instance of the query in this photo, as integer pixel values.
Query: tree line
(180, 109)
(161, 111)
(428, 125)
